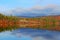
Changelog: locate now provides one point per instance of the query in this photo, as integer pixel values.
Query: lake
(30, 34)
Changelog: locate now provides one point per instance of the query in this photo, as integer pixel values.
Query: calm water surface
(30, 34)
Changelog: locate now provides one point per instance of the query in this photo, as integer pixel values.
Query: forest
(44, 22)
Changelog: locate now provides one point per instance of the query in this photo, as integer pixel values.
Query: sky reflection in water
(30, 34)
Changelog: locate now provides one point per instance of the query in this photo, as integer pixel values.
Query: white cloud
(36, 10)
(39, 38)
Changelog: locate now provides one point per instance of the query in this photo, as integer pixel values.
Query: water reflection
(38, 34)
(8, 36)
(30, 34)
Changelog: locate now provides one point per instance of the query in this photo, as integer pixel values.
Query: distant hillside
(42, 22)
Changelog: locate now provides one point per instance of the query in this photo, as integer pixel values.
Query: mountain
(34, 12)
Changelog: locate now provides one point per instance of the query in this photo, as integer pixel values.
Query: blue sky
(8, 4)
